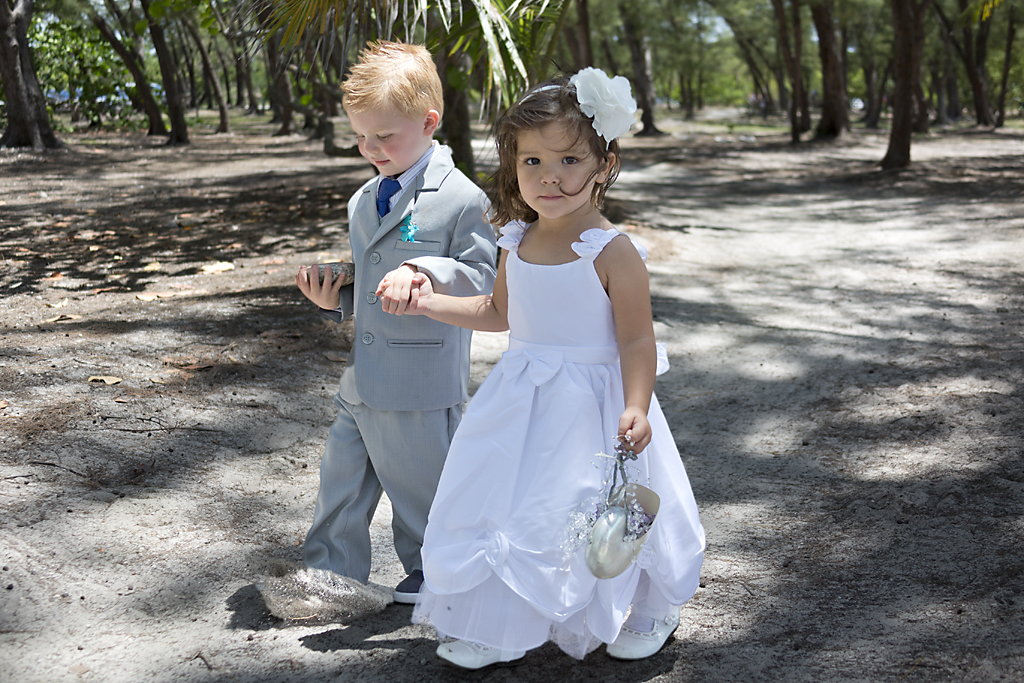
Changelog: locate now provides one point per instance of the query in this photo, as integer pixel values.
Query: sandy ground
(847, 391)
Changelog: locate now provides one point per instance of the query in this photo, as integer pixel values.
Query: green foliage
(508, 43)
(978, 9)
(77, 68)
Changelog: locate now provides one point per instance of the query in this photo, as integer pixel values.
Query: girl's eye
(570, 160)
(531, 161)
(382, 138)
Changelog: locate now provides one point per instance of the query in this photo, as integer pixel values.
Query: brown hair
(549, 102)
(396, 75)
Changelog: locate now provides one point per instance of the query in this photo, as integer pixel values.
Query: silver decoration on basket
(617, 534)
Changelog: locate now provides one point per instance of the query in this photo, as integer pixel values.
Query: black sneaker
(409, 588)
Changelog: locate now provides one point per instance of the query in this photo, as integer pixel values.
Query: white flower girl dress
(498, 564)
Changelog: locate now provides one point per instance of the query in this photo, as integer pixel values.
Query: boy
(403, 390)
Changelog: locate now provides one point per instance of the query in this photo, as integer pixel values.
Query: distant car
(856, 104)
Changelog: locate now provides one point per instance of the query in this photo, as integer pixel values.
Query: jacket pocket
(430, 247)
(415, 343)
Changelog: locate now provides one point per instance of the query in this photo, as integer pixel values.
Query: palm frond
(977, 9)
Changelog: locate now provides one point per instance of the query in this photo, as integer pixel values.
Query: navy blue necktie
(387, 189)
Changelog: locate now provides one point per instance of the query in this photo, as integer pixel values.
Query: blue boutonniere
(407, 229)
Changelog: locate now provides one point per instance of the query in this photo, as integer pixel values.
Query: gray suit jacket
(411, 362)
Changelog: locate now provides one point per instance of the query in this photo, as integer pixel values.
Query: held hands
(633, 425)
(405, 291)
(323, 295)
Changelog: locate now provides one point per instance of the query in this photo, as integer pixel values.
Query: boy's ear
(431, 120)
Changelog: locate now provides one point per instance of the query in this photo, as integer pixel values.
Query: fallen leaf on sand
(62, 317)
(149, 267)
(120, 400)
(335, 357)
(55, 276)
(79, 669)
(218, 267)
(272, 262)
(153, 296)
(197, 366)
(106, 379)
(4, 404)
(58, 305)
(157, 380)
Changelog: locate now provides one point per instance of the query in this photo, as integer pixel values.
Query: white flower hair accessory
(608, 101)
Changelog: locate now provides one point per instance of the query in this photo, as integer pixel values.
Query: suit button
(367, 338)
(375, 258)
(371, 298)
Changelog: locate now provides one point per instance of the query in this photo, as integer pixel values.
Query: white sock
(639, 623)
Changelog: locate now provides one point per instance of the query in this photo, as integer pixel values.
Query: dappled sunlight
(845, 392)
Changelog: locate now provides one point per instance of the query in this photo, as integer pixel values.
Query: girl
(501, 573)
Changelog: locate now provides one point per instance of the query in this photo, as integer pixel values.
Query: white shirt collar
(405, 178)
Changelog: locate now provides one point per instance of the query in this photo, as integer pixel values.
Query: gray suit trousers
(397, 451)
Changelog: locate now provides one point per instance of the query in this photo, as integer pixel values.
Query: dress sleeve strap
(592, 242)
(512, 235)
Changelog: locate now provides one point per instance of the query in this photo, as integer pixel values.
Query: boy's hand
(396, 288)
(323, 295)
(633, 425)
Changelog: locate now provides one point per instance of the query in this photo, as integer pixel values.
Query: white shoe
(470, 655)
(633, 644)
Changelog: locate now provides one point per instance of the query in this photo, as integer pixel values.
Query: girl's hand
(634, 425)
(323, 295)
(420, 294)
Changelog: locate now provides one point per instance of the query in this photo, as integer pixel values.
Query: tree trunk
(798, 53)
(835, 119)
(921, 120)
(939, 91)
(979, 76)
(972, 52)
(137, 70)
(610, 56)
(185, 58)
(212, 82)
(583, 34)
(456, 120)
(223, 63)
(780, 77)
(791, 56)
(569, 41)
(28, 124)
(640, 56)
(245, 78)
(280, 86)
(907, 16)
(686, 93)
(169, 76)
(1011, 32)
(871, 94)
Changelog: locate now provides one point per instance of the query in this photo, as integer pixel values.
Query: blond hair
(399, 76)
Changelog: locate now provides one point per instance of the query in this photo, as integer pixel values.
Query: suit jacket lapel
(367, 218)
